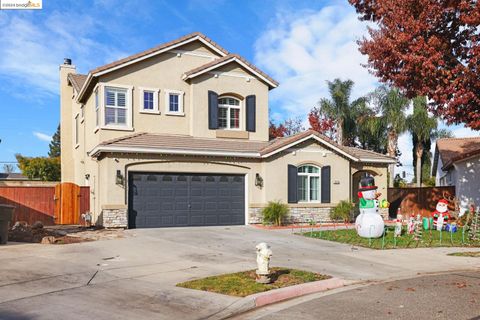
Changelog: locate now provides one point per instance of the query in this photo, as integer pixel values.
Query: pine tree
(55, 145)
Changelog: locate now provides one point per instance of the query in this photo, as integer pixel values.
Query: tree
(392, 105)
(275, 131)
(427, 48)
(341, 110)
(55, 144)
(293, 126)
(42, 168)
(321, 123)
(422, 127)
(8, 168)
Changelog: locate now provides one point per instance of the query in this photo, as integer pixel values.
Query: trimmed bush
(342, 211)
(274, 213)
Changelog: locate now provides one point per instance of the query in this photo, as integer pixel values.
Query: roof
(159, 48)
(227, 59)
(451, 150)
(162, 48)
(182, 144)
(12, 176)
(77, 80)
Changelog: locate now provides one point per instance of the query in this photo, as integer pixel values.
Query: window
(76, 129)
(115, 106)
(97, 109)
(148, 100)
(174, 102)
(82, 112)
(228, 113)
(309, 183)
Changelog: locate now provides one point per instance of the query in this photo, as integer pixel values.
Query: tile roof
(149, 142)
(12, 176)
(158, 48)
(77, 80)
(455, 149)
(198, 70)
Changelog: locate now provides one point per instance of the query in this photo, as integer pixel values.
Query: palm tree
(341, 110)
(422, 127)
(392, 105)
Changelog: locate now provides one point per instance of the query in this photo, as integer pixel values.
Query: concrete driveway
(135, 277)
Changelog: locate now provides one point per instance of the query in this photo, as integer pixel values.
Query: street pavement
(134, 277)
(455, 295)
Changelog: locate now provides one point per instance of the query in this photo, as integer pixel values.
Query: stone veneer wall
(115, 218)
(297, 215)
(303, 215)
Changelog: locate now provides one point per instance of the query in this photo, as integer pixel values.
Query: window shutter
(251, 110)
(326, 183)
(292, 184)
(212, 110)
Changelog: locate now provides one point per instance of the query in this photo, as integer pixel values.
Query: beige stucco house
(178, 136)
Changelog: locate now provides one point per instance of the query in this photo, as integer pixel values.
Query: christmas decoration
(369, 223)
(440, 215)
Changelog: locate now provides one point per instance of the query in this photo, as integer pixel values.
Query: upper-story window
(149, 100)
(76, 136)
(115, 106)
(309, 183)
(97, 109)
(174, 102)
(228, 113)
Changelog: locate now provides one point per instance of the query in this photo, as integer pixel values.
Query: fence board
(416, 200)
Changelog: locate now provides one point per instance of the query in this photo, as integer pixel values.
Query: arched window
(309, 183)
(228, 113)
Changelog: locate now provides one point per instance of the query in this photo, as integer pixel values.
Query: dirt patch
(37, 233)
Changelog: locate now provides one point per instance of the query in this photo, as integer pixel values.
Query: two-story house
(178, 136)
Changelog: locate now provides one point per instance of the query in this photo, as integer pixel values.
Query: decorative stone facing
(303, 215)
(115, 218)
(297, 215)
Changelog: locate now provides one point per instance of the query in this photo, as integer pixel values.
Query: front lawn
(430, 238)
(242, 284)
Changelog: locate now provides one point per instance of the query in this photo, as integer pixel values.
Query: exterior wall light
(119, 178)
(258, 180)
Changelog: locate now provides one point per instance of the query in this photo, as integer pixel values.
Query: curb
(277, 295)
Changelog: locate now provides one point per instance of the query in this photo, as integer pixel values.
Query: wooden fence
(416, 200)
(41, 204)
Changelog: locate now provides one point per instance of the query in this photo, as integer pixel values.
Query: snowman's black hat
(367, 183)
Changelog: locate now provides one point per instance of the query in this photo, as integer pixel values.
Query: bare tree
(8, 168)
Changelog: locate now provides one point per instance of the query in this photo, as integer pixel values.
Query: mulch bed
(23, 232)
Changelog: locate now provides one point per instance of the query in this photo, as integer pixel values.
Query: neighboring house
(457, 163)
(15, 179)
(178, 136)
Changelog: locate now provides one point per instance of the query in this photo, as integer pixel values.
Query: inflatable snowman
(369, 223)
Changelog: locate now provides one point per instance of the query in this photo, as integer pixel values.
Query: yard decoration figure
(440, 215)
(264, 253)
(411, 225)
(418, 233)
(369, 223)
(398, 226)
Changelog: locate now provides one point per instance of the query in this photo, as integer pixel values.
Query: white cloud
(304, 51)
(42, 136)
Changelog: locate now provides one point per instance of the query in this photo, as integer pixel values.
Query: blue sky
(299, 43)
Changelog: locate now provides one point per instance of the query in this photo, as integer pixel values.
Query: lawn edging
(277, 295)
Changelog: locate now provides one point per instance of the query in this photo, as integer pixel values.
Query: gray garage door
(179, 200)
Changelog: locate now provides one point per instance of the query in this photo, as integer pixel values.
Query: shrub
(274, 213)
(342, 211)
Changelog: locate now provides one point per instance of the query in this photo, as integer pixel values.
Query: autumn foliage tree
(321, 123)
(427, 48)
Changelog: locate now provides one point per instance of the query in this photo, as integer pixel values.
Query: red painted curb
(278, 295)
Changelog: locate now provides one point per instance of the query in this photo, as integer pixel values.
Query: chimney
(67, 61)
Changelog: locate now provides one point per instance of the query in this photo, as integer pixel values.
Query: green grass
(242, 284)
(430, 238)
(473, 254)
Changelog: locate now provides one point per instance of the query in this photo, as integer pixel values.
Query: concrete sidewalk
(135, 277)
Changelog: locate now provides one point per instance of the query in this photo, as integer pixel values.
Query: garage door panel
(175, 199)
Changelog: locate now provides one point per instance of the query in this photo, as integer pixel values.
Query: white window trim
(97, 91)
(156, 109)
(129, 114)
(76, 129)
(308, 175)
(240, 114)
(180, 111)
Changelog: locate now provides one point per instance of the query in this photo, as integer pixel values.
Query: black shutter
(251, 110)
(292, 184)
(326, 183)
(212, 110)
